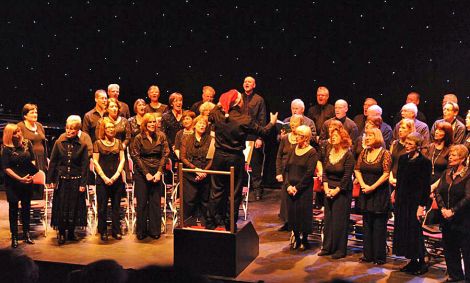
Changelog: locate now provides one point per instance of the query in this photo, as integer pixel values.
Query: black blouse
(109, 157)
(194, 152)
(150, 156)
(19, 159)
(340, 173)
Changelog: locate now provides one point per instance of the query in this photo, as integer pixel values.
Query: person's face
(113, 110)
(340, 110)
(467, 121)
(297, 109)
(17, 135)
(154, 94)
(113, 92)
(322, 96)
(178, 103)
(448, 113)
(369, 139)
(439, 134)
(335, 138)
(403, 131)
(368, 103)
(369, 125)
(109, 130)
(187, 122)
(454, 158)
(301, 138)
(249, 84)
(151, 125)
(32, 115)
(412, 98)
(207, 95)
(200, 127)
(101, 100)
(293, 125)
(410, 146)
(405, 113)
(205, 113)
(140, 108)
(70, 131)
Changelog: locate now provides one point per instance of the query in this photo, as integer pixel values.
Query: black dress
(283, 152)
(397, 151)
(19, 160)
(375, 205)
(68, 169)
(109, 158)
(196, 192)
(413, 188)
(299, 172)
(337, 209)
(454, 193)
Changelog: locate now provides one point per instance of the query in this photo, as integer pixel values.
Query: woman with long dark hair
(17, 163)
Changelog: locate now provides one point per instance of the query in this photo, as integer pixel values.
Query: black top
(83, 138)
(195, 107)
(439, 160)
(254, 106)
(19, 159)
(194, 152)
(90, 122)
(377, 201)
(300, 170)
(454, 193)
(38, 139)
(285, 148)
(170, 126)
(348, 125)
(180, 135)
(320, 113)
(397, 151)
(122, 130)
(150, 156)
(124, 110)
(134, 126)
(340, 173)
(413, 180)
(231, 132)
(109, 158)
(162, 109)
(69, 158)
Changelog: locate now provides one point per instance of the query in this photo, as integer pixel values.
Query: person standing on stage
(397, 149)
(208, 94)
(286, 146)
(322, 111)
(135, 121)
(372, 170)
(232, 126)
(341, 109)
(453, 199)
(17, 163)
(254, 106)
(67, 173)
(113, 92)
(108, 158)
(360, 119)
(194, 149)
(91, 118)
(411, 196)
(172, 121)
(297, 107)
(450, 112)
(155, 106)
(410, 111)
(188, 129)
(299, 171)
(33, 131)
(412, 97)
(149, 151)
(338, 166)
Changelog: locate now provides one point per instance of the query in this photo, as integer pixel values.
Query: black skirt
(68, 205)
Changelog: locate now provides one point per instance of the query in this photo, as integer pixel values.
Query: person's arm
(86, 126)
(52, 170)
(128, 137)
(459, 134)
(84, 166)
(386, 165)
(184, 155)
(348, 170)
(97, 129)
(357, 170)
(439, 190)
(136, 150)
(165, 153)
(465, 201)
(279, 157)
(122, 160)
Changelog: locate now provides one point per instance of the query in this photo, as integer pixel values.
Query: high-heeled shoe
(14, 241)
(410, 266)
(27, 239)
(304, 244)
(295, 244)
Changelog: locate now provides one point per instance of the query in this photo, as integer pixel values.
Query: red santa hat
(229, 99)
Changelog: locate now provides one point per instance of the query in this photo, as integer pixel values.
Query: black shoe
(364, 259)
(337, 256)
(61, 240)
(104, 237)
(323, 253)
(422, 269)
(156, 237)
(27, 239)
(283, 228)
(410, 267)
(117, 236)
(140, 237)
(379, 262)
(71, 236)
(210, 225)
(14, 242)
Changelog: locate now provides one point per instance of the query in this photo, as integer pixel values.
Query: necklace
(434, 158)
(335, 157)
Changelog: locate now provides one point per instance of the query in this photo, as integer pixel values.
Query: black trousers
(103, 194)
(335, 231)
(219, 200)
(148, 206)
(256, 163)
(195, 195)
(283, 213)
(25, 215)
(375, 235)
(456, 245)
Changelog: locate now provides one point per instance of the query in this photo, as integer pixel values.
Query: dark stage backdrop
(57, 53)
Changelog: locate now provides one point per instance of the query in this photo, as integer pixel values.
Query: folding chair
(42, 206)
(246, 189)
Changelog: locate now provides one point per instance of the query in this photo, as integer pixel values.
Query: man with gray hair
(297, 106)
(91, 118)
(113, 92)
(386, 129)
(410, 111)
(341, 108)
(450, 97)
(83, 137)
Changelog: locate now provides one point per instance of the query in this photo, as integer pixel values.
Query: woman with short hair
(135, 121)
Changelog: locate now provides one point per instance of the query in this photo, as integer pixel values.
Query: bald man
(341, 109)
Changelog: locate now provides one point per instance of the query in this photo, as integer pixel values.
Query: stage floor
(275, 263)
